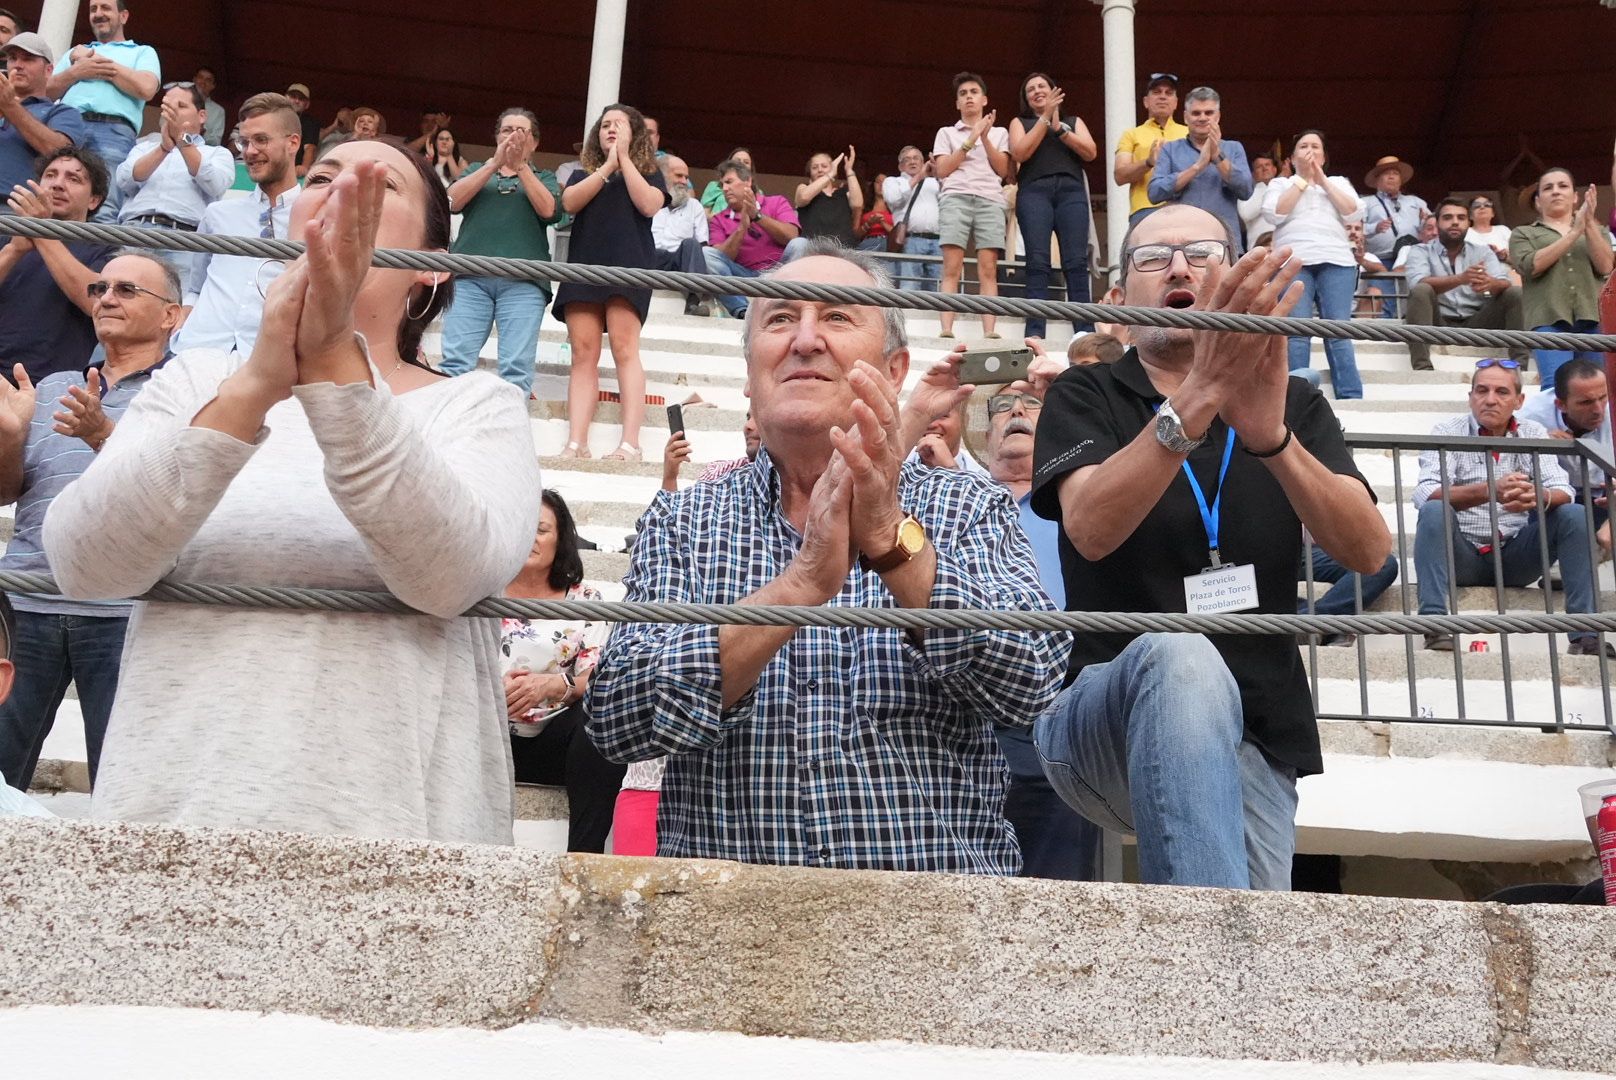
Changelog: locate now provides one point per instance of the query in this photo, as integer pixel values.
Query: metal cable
(352, 600)
(712, 285)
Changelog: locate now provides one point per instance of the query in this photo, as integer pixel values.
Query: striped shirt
(50, 463)
(856, 748)
(1471, 468)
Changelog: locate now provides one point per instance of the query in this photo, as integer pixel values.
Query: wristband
(1276, 451)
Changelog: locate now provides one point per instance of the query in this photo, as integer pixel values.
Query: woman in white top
(1310, 211)
(1483, 229)
(331, 458)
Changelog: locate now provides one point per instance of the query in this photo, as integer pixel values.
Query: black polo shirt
(1091, 413)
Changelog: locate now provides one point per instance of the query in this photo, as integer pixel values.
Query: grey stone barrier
(403, 934)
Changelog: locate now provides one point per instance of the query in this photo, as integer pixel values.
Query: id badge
(1221, 590)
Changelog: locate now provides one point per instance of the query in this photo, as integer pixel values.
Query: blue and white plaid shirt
(856, 748)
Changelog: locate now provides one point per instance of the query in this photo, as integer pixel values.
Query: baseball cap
(300, 89)
(34, 44)
(1158, 78)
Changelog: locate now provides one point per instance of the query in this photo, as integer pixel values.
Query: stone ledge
(400, 934)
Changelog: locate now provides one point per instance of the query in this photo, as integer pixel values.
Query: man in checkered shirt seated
(825, 746)
(1523, 507)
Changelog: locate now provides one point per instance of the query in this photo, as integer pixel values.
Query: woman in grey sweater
(331, 457)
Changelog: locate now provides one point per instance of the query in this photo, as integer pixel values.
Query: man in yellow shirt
(1138, 147)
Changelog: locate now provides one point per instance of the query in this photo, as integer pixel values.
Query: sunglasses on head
(1509, 365)
(180, 85)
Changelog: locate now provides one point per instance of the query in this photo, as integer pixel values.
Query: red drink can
(1607, 847)
(1478, 646)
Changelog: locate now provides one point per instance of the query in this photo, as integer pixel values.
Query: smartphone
(676, 419)
(986, 367)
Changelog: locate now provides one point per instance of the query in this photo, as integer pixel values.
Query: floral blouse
(550, 647)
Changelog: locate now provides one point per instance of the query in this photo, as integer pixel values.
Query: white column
(56, 21)
(1120, 91)
(605, 59)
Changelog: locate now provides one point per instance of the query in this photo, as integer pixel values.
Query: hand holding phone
(676, 419)
(988, 367)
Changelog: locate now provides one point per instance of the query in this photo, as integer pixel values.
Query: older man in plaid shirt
(1511, 515)
(825, 746)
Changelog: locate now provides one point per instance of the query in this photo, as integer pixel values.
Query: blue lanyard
(1210, 515)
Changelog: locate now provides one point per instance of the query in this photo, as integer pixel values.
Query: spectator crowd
(230, 419)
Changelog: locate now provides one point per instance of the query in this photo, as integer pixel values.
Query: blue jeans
(113, 142)
(1549, 360)
(1342, 596)
(930, 272)
(1521, 559)
(1056, 842)
(1153, 743)
(516, 307)
(52, 651)
(1058, 204)
(719, 263)
(1328, 289)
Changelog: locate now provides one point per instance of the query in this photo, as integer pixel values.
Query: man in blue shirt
(109, 80)
(1056, 841)
(1203, 170)
(31, 124)
(49, 435)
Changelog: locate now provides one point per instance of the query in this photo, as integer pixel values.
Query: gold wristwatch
(907, 542)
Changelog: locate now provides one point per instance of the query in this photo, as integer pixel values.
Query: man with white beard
(679, 229)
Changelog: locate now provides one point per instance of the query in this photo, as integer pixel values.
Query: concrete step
(395, 934)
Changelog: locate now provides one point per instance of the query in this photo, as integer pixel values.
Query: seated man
(1522, 510)
(49, 435)
(1056, 841)
(819, 746)
(1182, 476)
(756, 232)
(44, 311)
(1578, 407)
(31, 124)
(679, 229)
(1453, 281)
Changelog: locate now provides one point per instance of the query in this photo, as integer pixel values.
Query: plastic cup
(1593, 795)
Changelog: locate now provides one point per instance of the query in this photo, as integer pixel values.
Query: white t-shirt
(1314, 230)
(1495, 237)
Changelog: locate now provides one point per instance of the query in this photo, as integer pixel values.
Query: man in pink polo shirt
(972, 160)
(755, 234)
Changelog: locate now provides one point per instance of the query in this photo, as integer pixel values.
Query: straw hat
(1391, 162)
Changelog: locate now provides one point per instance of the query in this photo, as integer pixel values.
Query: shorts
(962, 219)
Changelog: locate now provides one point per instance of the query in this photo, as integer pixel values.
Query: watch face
(911, 536)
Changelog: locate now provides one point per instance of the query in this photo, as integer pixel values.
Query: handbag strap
(914, 197)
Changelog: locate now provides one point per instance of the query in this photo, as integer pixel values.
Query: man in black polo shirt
(1182, 476)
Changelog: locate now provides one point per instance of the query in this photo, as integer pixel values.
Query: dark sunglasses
(1508, 365)
(123, 290)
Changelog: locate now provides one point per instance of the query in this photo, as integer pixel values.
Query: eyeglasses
(1000, 403)
(123, 290)
(1150, 258)
(1507, 365)
(257, 142)
(1480, 204)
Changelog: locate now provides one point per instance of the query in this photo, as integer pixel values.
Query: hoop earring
(431, 299)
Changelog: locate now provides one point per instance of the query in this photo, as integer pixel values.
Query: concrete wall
(391, 934)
